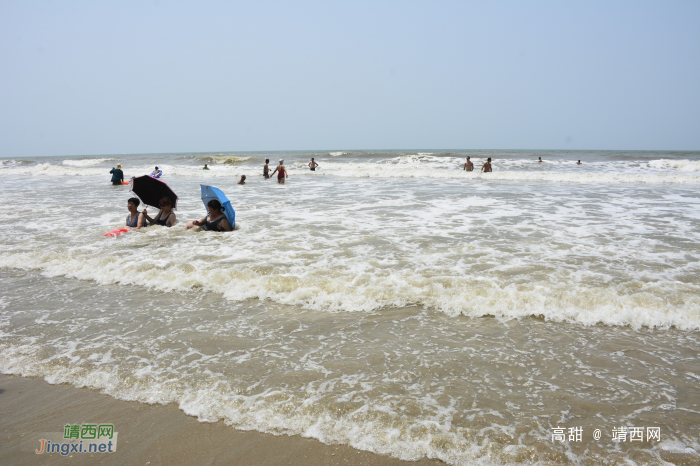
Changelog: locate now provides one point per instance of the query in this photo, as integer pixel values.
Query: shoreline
(151, 434)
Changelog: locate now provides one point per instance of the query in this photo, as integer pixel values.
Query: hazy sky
(133, 77)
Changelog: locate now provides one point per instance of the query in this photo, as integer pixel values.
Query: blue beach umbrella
(209, 193)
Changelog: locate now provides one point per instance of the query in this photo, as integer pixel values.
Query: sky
(116, 77)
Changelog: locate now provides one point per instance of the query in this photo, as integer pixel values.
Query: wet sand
(150, 434)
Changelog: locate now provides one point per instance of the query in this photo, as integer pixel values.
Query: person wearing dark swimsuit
(281, 171)
(215, 221)
(266, 169)
(313, 165)
(134, 220)
(165, 216)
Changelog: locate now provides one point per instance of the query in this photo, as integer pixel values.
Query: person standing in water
(206, 167)
(266, 169)
(117, 175)
(468, 165)
(486, 168)
(313, 165)
(157, 173)
(578, 163)
(281, 171)
(242, 180)
(539, 159)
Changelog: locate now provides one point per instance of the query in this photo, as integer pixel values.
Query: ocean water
(389, 300)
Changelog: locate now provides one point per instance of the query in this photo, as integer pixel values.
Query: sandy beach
(150, 434)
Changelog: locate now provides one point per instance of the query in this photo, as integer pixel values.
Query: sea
(544, 313)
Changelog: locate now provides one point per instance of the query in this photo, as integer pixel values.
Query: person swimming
(281, 171)
(157, 173)
(242, 180)
(206, 167)
(578, 163)
(539, 159)
(166, 216)
(215, 221)
(135, 220)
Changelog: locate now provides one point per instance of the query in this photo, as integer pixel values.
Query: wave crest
(223, 159)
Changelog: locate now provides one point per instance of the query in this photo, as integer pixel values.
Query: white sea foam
(85, 162)
(324, 289)
(411, 387)
(405, 166)
(14, 163)
(388, 249)
(224, 159)
(680, 165)
(337, 310)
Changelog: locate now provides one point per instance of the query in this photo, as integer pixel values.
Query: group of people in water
(216, 219)
(469, 166)
(281, 170)
(486, 167)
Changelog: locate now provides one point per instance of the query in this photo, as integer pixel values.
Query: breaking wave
(223, 159)
(86, 162)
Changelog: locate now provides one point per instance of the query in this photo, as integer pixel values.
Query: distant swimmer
(578, 163)
(157, 173)
(313, 165)
(487, 166)
(165, 216)
(468, 165)
(266, 169)
(281, 171)
(539, 159)
(206, 167)
(242, 180)
(215, 221)
(117, 175)
(135, 219)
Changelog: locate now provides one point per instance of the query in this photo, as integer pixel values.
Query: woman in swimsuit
(135, 220)
(165, 216)
(281, 171)
(215, 221)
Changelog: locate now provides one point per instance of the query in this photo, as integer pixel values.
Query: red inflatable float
(117, 232)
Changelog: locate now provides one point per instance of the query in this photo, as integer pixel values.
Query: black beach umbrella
(151, 190)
